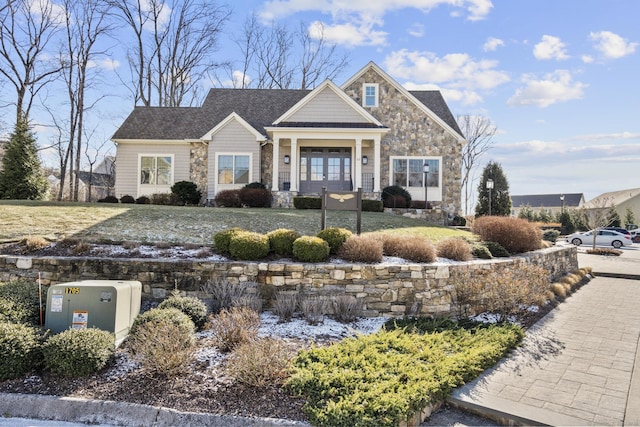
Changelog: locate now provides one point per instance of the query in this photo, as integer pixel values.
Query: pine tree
(22, 176)
(500, 199)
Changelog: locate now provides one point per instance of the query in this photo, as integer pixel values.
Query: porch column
(294, 164)
(358, 181)
(376, 163)
(275, 169)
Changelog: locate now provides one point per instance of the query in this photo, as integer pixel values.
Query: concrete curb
(121, 414)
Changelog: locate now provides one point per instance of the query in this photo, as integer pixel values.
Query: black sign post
(341, 201)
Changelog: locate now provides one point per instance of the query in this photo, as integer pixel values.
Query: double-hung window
(370, 95)
(233, 168)
(156, 173)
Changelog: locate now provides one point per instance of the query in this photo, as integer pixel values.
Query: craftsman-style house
(368, 133)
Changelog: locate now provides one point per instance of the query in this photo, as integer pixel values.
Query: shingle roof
(259, 107)
(547, 200)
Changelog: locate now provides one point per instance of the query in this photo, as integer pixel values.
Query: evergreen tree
(22, 176)
(500, 199)
(629, 217)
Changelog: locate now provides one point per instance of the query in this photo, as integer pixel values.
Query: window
(233, 169)
(409, 171)
(370, 95)
(156, 170)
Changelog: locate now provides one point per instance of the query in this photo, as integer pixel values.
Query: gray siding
(128, 169)
(232, 139)
(327, 106)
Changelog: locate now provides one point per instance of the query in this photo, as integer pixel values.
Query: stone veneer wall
(386, 289)
(199, 166)
(413, 133)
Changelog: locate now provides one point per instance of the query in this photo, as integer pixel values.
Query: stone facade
(385, 289)
(413, 133)
(199, 165)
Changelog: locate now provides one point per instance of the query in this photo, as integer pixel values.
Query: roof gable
(230, 118)
(327, 91)
(613, 198)
(418, 98)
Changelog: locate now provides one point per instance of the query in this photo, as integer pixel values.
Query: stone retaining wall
(385, 289)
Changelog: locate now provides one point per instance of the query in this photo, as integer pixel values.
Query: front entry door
(325, 167)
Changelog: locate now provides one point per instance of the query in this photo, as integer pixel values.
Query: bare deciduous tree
(479, 133)
(596, 214)
(174, 45)
(27, 28)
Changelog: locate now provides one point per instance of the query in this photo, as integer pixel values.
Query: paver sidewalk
(575, 366)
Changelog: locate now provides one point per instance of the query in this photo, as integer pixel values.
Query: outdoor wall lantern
(365, 160)
(287, 159)
(425, 169)
(489, 187)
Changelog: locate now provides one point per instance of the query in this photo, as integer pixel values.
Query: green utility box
(110, 305)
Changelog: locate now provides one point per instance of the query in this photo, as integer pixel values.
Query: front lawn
(102, 222)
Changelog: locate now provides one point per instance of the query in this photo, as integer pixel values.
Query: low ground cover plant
(384, 378)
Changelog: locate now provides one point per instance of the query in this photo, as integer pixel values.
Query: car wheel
(636, 239)
(576, 241)
(616, 244)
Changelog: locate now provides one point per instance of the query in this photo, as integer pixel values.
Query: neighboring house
(620, 201)
(371, 132)
(92, 186)
(552, 203)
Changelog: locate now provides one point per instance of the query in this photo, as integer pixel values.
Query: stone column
(294, 165)
(274, 164)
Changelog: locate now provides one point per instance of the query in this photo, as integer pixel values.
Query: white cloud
(552, 88)
(550, 48)
(349, 18)
(604, 136)
(416, 30)
(587, 59)
(465, 97)
(348, 34)
(492, 44)
(105, 64)
(611, 45)
(236, 80)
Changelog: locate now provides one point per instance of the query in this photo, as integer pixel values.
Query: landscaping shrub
(166, 199)
(172, 315)
(372, 205)
(162, 346)
(143, 200)
(130, 245)
(384, 378)
(191, 306)
(33, 243)
(559, 290)
(310, 249)
(497, 250)
(458, 221)
(335, 237)
(19, 349)
(395, 197)
(347, 308)
(478, 250)
(187, 192)
(257, 185)
(285, 305)
(313, 309)
(108, 199)
(162, 245)
(232, 327)
(504, 292)
(228, 199)
(281, 241)
(222, 239)
(81, 247)
(550, 235)
(429, 325)
(516, 235)
(604, 251)
(20, 301)
(127, 199)
(361, 249)
(414, 248)
(225, 295)
(302, 202)
(454, 248)
(261, 362)
(255, 197)
(78, 352)
(248, 245)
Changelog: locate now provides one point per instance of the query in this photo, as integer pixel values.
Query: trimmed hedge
(191, 306)
(302, 202)
(281, 241)
(78, 352)
(19, 302)
(310, 249)
(335, 237)
(222, 239)
(248, 245)
(19, 349)
(173, 315)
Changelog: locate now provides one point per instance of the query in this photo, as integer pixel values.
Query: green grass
(103, 222)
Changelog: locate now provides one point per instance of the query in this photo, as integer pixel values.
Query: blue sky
(558, 78)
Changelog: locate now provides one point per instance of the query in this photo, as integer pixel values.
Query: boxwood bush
(19, 301)
(310, 249)
(248, 245)
(372, 205)
(222, 239)
(281, 241)
(191, 306)
(173, 315)
(335, 237)
(497, 250)
(187, 192)
(19, 349)
(302, 202)
(78, 352)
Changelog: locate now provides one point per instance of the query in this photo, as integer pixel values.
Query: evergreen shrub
(109, 199)
(222, 239)
(372, 205)
(191, 306)
(480, 251)
(248, 245)
(127, 199)
(78, 352)
(187, 192)
(255, 197)
(281, 241)
(303, 202)
(335, 237)
(395, 196)
(172, 315)
(143, 200)
(310, 249)
(228, 199)
(19, 349)
(20, 301)
(497, 250)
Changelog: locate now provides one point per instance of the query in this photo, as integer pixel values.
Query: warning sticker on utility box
(80, 319)
(56, 303)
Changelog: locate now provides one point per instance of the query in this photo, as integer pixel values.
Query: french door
(325, 167)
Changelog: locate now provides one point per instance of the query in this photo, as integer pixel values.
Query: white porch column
(358, 181)
(294, 164)
(376, 163)
(275, 169)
